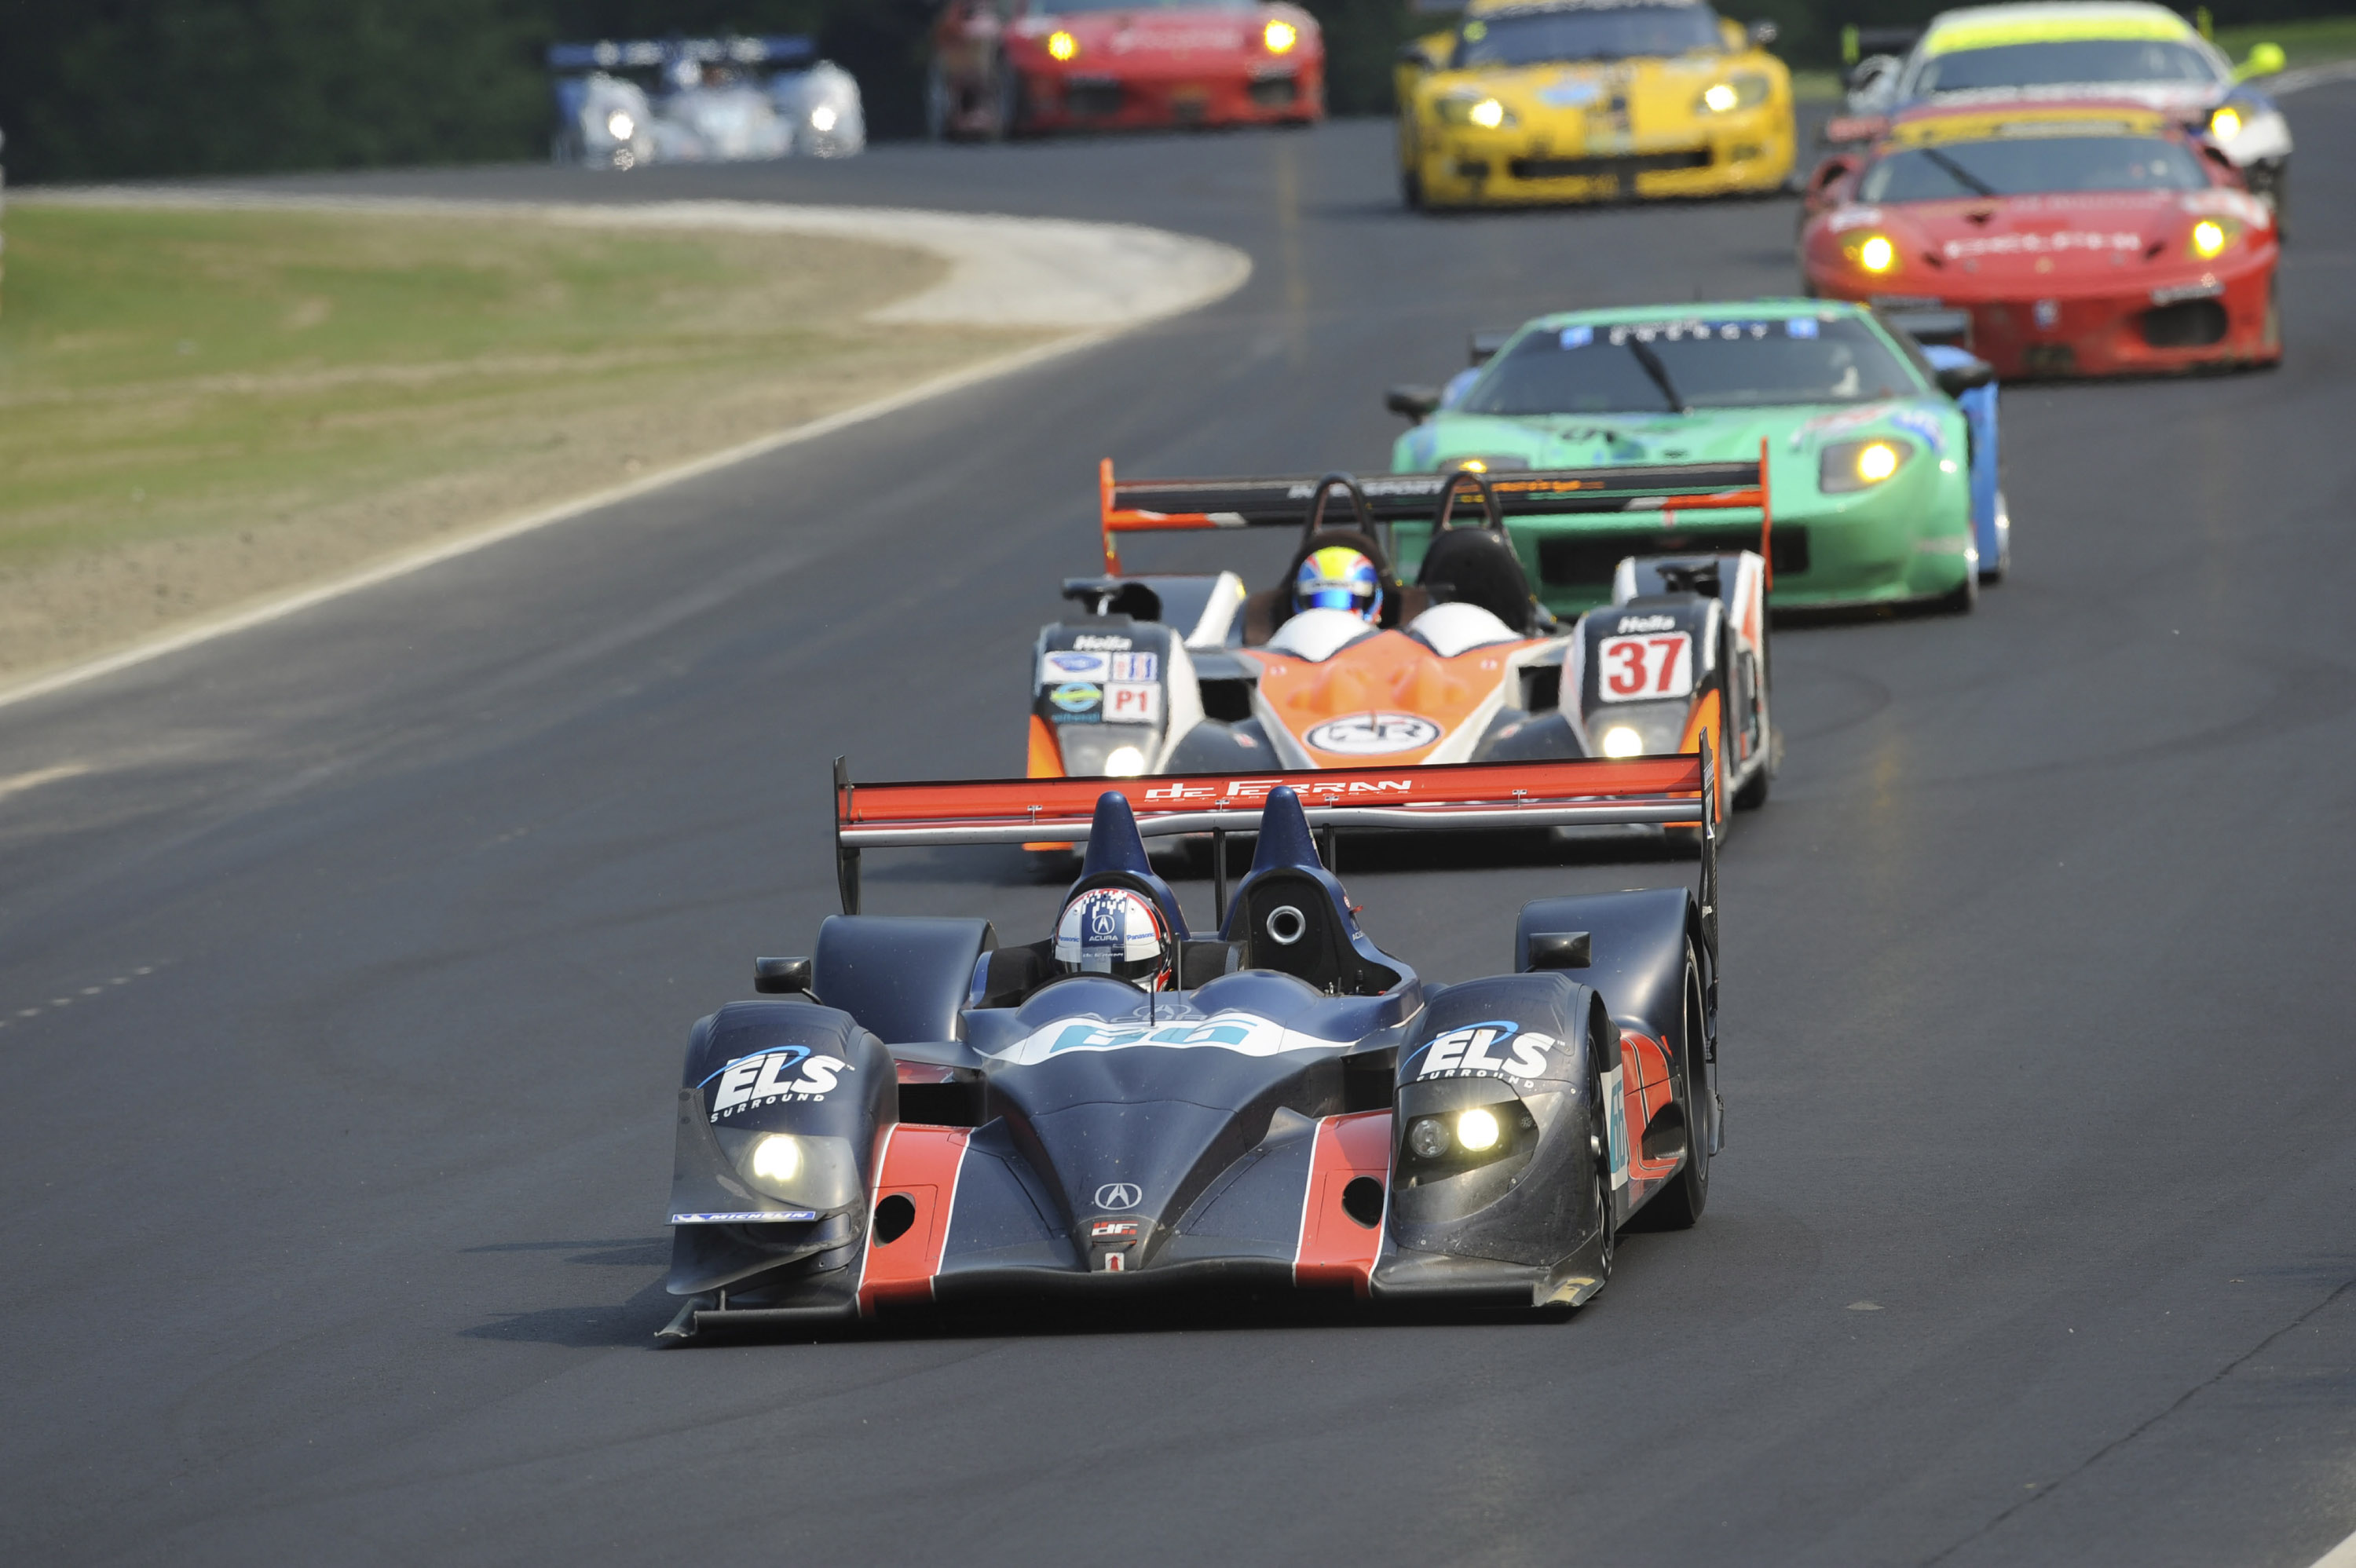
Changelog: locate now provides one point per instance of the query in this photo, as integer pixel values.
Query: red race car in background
(1004, 67)
(2080, 239)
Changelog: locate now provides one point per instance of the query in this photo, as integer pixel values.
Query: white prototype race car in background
(690, 100)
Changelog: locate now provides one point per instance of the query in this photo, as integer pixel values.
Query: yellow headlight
(1472, 465)
(2225, 124)
(1718, 98)
(1477, 1129)
(1876, 254)
(1279, 36)
(1488, 114)
(2209, 237)
(1620, 741)
(1062, 44)
(1877, 462)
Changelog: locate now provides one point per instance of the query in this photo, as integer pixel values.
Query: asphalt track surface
(345, 991)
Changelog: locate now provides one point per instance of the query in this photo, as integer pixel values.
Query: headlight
(1477, 1130)
(2226, 123)
(1062, 46)
(1746, 90)
(815, 1172)
(1279, 36)
(1485, 464)
(1428, 1138)
(1624, 740)
(620, 126)
(822, 117)
(1860, 464)
(1105, 750)
(1485, 113)
(1876, 253)
(2210, 236)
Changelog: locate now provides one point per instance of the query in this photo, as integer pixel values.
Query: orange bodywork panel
(1046, 762)
(1389, 675)
(1335, 1247)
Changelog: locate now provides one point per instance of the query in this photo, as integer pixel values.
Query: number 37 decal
(1635, 668)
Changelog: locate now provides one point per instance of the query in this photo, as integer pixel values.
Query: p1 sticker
(1633, 669)
(1132, 702)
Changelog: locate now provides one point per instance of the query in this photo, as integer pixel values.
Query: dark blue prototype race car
(1123, 1106)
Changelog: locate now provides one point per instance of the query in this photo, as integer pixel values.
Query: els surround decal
(768, 1079)
(1373, 734)
(1497, 1049)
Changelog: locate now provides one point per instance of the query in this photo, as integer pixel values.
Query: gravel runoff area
(884, 307)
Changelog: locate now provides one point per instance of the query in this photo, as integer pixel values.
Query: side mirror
(1821, 181)
(783, 976)
(1414, 53)
(2265, 59)
(1416, 402)
(1763, 33)
(1561, 950)
(1956, 379)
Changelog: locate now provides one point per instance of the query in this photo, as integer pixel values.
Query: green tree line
(125, 89)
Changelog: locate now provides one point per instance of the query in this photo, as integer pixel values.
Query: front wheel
(1678, 1205)
(936, 102)
(1005, 101)
(1411, 190)
(1965, 599)
(1598, 1140)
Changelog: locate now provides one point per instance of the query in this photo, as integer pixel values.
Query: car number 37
(1637, 668)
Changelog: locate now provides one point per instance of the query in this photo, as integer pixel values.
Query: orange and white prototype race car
(1339, 664)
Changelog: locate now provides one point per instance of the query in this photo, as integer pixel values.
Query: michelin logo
(789, 1076)
(1498, 1049)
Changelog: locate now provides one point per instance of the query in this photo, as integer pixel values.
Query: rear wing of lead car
(1669, 489)
(641, 54)
(1586, 792)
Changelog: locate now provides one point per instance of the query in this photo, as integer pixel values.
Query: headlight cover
(1638, 729)
(1483, 463)
(2225, 123)
(1093, 751)
(1849, 465)
(1279, 36)
(1479, 110)
(2211, 237)
(1875, 253)
(815, 1173)
(1062, 46)
(620, 126)
(1743, 90)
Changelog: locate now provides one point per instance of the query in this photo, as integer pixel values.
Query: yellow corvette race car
(1544, 100)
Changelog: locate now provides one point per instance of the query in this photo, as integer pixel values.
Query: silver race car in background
(684, 101)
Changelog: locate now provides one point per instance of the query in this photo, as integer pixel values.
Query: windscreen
(2067, 62)
(1705, 363)
(2025, 165)
(1539, 38)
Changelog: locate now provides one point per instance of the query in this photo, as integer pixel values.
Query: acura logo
(1115, 1196)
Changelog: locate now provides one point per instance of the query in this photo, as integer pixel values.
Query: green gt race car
(1868, 457)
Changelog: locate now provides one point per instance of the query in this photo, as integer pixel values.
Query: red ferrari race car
(2080, 239)
(1004, 67)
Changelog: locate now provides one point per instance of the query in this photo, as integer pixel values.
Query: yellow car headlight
(1876, 253)
(1743, 90)
(1465, 109)
(2226, 123)
(1279, 35)
(2210, 236)
(1062, 46)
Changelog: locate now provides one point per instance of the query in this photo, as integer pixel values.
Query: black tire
(1411, 190)
(1963, 601)
(1599, 1135)
(1005, 102)
(1676, 1206)
(1753, 795)
(936, 102)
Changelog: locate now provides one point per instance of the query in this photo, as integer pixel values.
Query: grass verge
(199, 407)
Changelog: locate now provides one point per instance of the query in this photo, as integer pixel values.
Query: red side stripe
(920, 1164)
(1335, 1248)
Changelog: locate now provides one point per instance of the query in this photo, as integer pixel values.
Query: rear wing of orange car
(1155, 505)
(1582, 792)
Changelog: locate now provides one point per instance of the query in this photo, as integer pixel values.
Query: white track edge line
(417, 559)
(2340, 1556)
